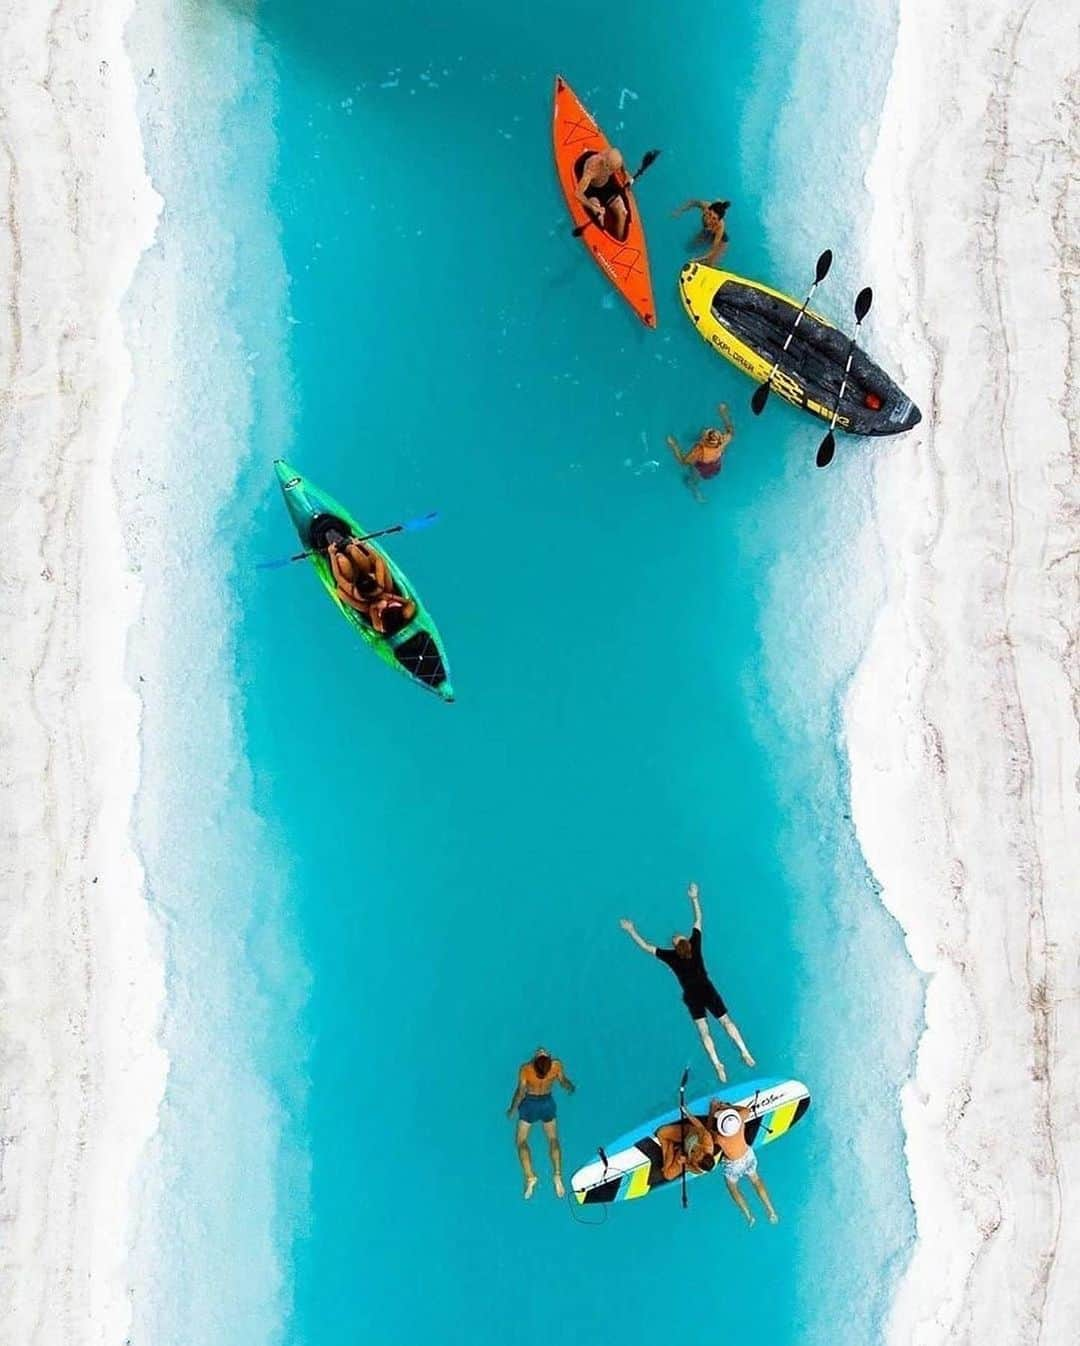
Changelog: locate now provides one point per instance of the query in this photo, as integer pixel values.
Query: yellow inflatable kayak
(747, 323)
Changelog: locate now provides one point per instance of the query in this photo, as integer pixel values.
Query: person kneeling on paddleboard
(686, 1145)
(534, 1103)
(700, 996)
(365, 584)
(706, 458)
(712, 226)
(738, 1160)
(601, 189)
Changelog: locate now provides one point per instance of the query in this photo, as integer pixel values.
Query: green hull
(417, 649)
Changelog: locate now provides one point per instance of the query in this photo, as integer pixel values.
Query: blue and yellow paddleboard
(632, 1165)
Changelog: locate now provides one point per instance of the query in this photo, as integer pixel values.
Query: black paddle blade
(650, 158)
(826, 450)
(760, 397)
(863, 300)
(823, 264)
(685, 1077)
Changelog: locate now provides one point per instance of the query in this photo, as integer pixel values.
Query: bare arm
(673, 445)
(519, 1094)
(728, 427)
(565, 1080)
(719, 243)
(695, 903)
(644, 944)
(581, 192)
(690, 205)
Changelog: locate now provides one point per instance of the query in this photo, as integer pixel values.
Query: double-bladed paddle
(650, 158)
(409, 526)
(827, 448)
(761, 393)
(682, 1130)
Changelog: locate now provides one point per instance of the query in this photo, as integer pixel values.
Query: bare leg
(618, 217)
(710, 1050)
(525, 1158)
(740, 1201)
(555, 1151)
(690, 481)
(763, 1193)
(732, 1030)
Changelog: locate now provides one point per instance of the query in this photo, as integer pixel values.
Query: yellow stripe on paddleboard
(779, 1121)
(639, 1182)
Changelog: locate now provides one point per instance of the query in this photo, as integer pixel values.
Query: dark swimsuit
(610, 191)
(707, 470)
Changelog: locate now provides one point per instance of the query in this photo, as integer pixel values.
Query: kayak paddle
(761, 393)
(682, 1130)
(650, 158)
(409, 526)
(827, 448)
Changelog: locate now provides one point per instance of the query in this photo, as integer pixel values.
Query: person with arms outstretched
(533, 1102)
(700, 996)
(727, 1123)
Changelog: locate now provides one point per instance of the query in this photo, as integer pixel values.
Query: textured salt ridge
(81, 980)
(962, 721)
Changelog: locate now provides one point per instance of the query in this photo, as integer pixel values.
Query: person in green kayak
(700, 996)
(712, 226)
(706, 458)
(365, 584)
(601, 189)
(534, 1103)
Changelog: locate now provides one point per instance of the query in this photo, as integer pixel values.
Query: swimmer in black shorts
(700, 996)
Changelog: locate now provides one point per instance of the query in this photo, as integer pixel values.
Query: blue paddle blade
(424, 521)
(275, 565)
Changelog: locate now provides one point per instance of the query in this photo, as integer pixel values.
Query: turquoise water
(648, 692)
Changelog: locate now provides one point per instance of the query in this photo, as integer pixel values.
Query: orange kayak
(626, 262)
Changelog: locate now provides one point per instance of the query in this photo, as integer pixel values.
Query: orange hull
(627, 263)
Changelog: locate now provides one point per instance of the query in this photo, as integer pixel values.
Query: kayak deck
(748, 323)
(416, 650)
(626, 261)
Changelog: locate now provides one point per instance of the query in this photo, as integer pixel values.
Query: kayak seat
(322, 525)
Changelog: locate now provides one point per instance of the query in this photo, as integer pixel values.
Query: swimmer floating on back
(534, 1103)
(700, 996)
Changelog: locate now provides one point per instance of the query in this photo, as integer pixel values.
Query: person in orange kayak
(688, 1145)
(706, 458)
(700, 996)
(364, 582)
(712, 226)
(727, 1122)
(534, 1103)
(601, 189)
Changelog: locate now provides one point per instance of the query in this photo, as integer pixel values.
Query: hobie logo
(770, 1100)
(293, 481)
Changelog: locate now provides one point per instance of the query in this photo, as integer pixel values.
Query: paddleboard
(632, 1167)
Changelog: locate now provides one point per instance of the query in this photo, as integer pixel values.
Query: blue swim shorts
(537, 1108)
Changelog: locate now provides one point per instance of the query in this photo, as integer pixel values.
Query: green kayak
(417, 649)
